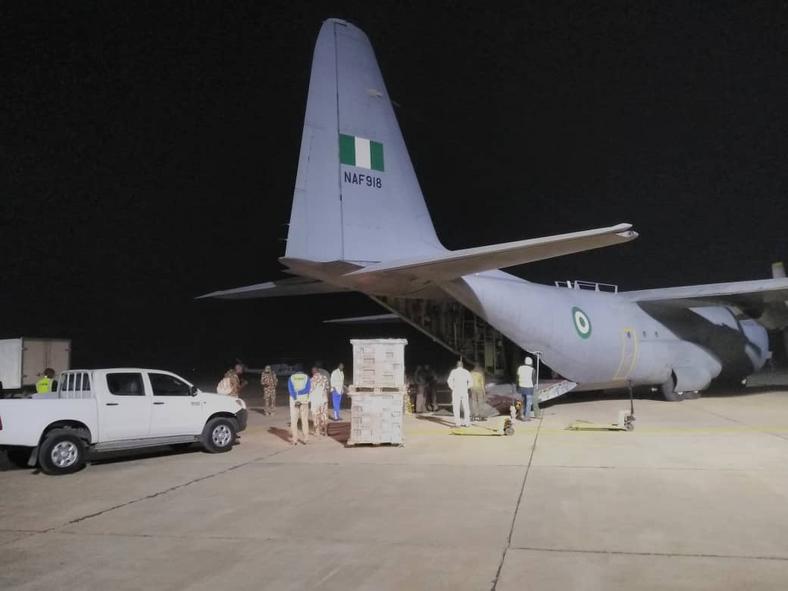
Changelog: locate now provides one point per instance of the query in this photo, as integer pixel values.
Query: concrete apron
(694, 498)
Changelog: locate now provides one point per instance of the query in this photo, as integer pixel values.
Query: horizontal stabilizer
(764, 299)
(453, 264)
(766, 290)
(373, 319)
(271, 289)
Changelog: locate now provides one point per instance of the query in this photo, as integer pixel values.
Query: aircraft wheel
(669, 392)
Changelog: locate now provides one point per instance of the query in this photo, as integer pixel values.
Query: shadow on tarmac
(283, 434)
(738, 391)
(139, 454)
(339, 431)
(445, 421)
(6, 465)
(113, 457)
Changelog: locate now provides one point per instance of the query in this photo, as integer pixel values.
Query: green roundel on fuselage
(582, 323)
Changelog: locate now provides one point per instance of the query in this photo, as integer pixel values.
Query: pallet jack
(626, 420)
(501, 425)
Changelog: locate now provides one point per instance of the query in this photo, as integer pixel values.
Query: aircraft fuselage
(603, 340)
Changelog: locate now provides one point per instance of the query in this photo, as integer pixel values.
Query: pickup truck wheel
(62, 452)
(219, 435)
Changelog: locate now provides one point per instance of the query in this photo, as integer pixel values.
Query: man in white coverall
(459, 382)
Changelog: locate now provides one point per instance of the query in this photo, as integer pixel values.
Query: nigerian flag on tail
(361, 152)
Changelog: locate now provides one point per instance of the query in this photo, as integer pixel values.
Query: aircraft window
(125, 384)
(166, 385)
(656, 334)
(644, 334)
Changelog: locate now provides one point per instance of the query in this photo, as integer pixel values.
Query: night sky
(149, 152)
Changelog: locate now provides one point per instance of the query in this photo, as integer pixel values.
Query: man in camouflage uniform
(240, 369)
(268, 381)
(420, 378)
(298, 386)
(230, 384)
(478, 393)
(432, 388)
(318, 401)
(236, 380)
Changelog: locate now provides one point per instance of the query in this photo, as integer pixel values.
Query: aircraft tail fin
(356, 196)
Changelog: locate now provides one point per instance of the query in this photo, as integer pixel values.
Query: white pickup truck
(115, 409)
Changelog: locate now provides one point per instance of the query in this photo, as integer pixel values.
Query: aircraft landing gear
(671, 395)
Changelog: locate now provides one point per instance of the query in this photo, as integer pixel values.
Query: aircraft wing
(766, 300)
(372, 319)
(450, 265)
(284, 287)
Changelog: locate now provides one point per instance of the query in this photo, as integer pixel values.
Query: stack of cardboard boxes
(378, 391)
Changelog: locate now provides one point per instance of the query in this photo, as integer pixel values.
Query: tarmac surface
(695, 498)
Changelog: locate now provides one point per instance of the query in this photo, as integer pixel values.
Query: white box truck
(23, 361)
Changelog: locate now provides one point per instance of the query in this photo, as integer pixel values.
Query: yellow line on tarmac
(708, 430)
(638, 430)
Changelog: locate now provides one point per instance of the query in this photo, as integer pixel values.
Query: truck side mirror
(193, 391)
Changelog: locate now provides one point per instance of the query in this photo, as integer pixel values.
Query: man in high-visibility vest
(298, 386)
(44, 385)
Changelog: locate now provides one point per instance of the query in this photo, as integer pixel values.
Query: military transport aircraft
(359, 223)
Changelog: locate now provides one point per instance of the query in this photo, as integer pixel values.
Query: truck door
(125, 408)
(175, 410)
